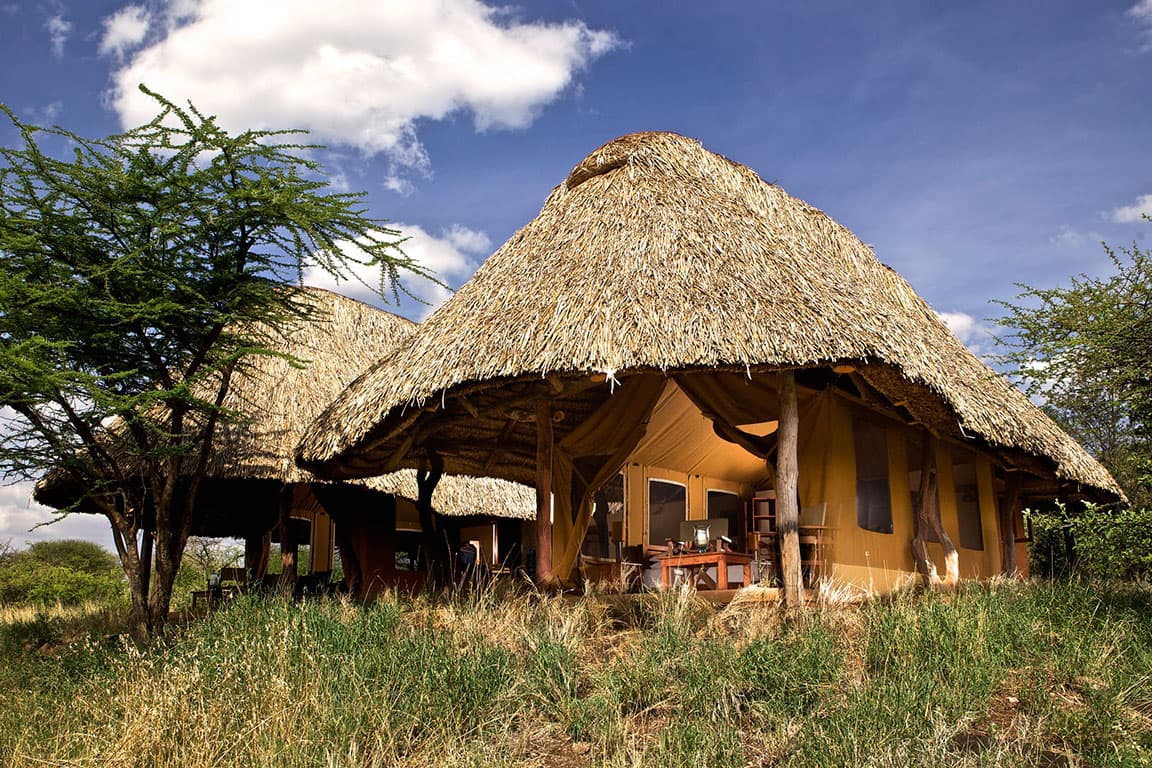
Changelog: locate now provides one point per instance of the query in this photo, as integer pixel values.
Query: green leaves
(1086, 351)
(139, 271)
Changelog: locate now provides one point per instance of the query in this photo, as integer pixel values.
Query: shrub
(1096, 542)
(68, 571)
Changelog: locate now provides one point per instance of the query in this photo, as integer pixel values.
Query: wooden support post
(256, 548)
(426, 481)
(544, 575)
(1008, 504)
(288, 544)
(787, 505)
(951, 555)
(921, 523)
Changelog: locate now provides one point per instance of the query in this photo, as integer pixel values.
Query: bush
(1095, 542)
(68, 571)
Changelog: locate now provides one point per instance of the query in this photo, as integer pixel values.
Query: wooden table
(696, 563)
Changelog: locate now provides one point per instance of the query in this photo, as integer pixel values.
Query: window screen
(967, 502)
(873, 498)
(667, 507)
(723, 505)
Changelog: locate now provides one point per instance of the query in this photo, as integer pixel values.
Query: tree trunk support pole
(288, 545)
(426, 482)
(787, 505)
(544, 575)
(1008, 505)
(929, 576)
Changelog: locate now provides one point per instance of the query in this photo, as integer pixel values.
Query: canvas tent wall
(657, 259)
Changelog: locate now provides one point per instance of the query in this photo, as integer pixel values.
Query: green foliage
(1086, 350)
(1055, 673)
(1094, 542)
(68, 572)
(141, 271)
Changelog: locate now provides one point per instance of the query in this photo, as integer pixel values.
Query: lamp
(701, 536)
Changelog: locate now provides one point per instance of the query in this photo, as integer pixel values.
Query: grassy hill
(1054, 674)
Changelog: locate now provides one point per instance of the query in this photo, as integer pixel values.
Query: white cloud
(452, 257)
(357, 72)
(1068, 238)
(47, 114)
(124, 30)
(19, 515)
(971, 332)
(59, 29)
(1130, 214)
(1141, 13)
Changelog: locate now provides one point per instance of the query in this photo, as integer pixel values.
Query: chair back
(813, 514)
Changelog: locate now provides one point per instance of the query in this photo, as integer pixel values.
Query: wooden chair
(233, 581)
(813, 542)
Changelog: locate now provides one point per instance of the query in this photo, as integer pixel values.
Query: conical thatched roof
(276, 401)
(657, 255)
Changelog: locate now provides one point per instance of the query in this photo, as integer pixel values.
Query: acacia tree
(1086, 350)
(139, 273)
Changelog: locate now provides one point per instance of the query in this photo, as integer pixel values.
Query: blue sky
(974, 145)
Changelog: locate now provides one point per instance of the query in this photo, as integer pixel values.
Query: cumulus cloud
(125, 30)
(452, 256)
(59, 29)
(19, 516)
(1130, 214)
(1141, 13)
(357, 72)
(971, 332)
(1068, 238)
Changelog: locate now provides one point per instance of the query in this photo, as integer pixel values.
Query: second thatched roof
(658, 255)
(275, 401)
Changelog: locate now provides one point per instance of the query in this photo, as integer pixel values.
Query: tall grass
(995, 675)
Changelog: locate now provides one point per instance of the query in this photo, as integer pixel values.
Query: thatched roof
(657, 255)
(277, 400)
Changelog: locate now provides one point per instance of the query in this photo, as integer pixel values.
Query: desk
(697, 562)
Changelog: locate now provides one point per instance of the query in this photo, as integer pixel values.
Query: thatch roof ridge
(656, 254)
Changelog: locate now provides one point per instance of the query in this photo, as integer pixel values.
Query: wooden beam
(787, 479)
(466, 404)
(509, 428)
(544, 575)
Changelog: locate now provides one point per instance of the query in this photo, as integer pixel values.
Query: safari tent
(255, 492)
(675, 328)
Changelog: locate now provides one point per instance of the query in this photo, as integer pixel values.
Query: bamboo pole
(787, 507)
(544, 575)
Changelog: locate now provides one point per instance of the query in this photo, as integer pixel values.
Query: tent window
(725, 505)
(667, 507)
(873, 497)
(967, 504)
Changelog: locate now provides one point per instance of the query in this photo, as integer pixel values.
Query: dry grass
(1002, 676)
